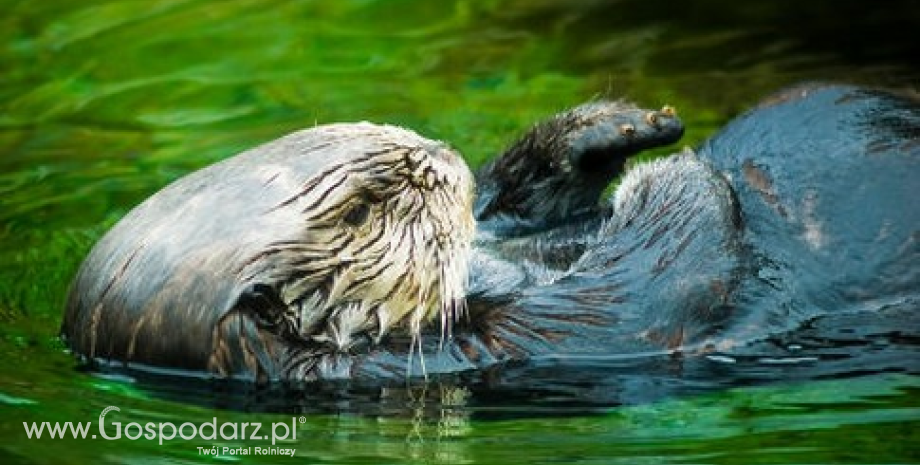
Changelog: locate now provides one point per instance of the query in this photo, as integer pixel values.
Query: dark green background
(102, 103)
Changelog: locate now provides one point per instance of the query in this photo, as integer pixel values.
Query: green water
(102, 103)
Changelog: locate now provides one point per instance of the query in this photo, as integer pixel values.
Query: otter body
(801, 207)
(826, 178)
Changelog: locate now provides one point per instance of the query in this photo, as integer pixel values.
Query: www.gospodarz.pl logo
(165, 431)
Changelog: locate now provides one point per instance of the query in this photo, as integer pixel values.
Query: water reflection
(102, 104)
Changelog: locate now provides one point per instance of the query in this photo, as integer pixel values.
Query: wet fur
(250, 268)
(802, 207)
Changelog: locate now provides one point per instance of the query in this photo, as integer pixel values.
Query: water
(103, 103)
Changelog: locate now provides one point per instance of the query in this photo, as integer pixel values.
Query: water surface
(102, 103)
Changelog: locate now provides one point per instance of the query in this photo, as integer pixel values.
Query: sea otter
(801, 206)
(313, 245)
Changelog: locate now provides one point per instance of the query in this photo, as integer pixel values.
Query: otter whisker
(416, 344)
(415, 328)
(311, 313)
(383, 315)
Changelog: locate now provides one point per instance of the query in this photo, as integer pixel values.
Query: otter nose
(664, 119)
(659, 126)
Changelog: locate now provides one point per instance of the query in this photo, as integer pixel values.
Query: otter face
(378, 237)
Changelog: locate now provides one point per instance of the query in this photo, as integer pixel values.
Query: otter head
(309, 244)
(377, 237)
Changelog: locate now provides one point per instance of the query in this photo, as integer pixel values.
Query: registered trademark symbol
(303, 419)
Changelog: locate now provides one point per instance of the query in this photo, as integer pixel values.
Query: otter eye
(651, 118)
(357, 214)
